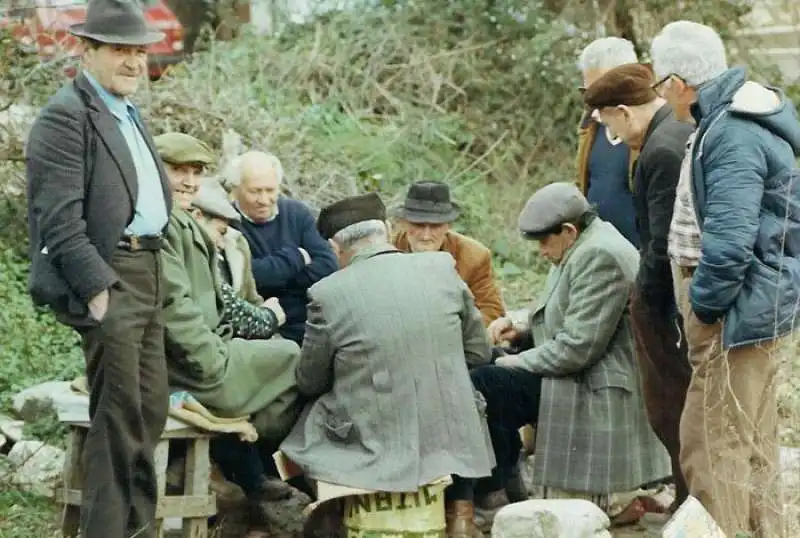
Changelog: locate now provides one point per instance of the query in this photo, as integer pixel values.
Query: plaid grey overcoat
(593, 435)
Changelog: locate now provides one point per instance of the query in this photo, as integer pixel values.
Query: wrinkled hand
(273, 304)
(305, 254)
(502, 330)
(98, 305)
(509, 361)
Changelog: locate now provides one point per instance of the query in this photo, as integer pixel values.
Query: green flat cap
(212, 200)
(552, 205)
(181, 148)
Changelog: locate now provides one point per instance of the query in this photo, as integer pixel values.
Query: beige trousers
(729, 427)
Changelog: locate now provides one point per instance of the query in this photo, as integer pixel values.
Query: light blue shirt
(151, 208)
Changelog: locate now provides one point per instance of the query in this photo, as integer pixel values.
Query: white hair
(374, 230)
(692, 51)
(607, 53)
(231, 176)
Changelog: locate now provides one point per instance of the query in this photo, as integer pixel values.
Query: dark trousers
(239, 462)
(512, 401)
(665, 372)
(129, 398)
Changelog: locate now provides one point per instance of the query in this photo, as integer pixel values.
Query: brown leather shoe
(460, 518)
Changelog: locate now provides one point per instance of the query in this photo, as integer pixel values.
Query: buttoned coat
(240, 262)
(386, 348)
(592, 435)
(231, 376)
(82, 191)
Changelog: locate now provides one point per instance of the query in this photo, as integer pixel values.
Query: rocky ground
(37, 466)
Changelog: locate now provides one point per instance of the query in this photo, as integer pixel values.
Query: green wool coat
(231, 376)
(593, 435)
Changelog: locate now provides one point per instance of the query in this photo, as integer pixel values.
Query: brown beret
(629, 84)
(343, 213)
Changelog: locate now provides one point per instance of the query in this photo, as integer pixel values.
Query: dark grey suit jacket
(82, 190)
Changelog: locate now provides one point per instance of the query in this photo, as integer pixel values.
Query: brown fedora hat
(429, 201)
(116, 22)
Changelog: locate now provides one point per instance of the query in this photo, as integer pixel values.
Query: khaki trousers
(729, 427)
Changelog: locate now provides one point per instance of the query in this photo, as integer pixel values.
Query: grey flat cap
(212, 200)
(552, 205)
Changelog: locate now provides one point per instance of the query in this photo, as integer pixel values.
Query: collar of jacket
(717, 92)
(584, 236)
(372, 251)
(660, 115)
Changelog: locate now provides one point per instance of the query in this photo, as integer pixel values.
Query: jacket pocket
(338, 428)
(609, 379)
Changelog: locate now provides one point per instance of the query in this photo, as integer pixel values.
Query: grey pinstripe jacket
(384, 355)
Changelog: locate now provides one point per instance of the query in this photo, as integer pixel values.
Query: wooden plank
(72, 479)
(196, 483)
(182, 506)
(175, 429)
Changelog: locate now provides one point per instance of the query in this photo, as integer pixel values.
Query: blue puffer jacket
(747, 196)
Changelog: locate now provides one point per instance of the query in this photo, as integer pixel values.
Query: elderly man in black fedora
(425, 219)
(99, 202)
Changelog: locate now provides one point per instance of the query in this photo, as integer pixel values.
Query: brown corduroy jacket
(474, 266)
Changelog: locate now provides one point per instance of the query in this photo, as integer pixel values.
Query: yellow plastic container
(396, 515)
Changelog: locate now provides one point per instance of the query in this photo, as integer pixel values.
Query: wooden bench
(194, 507)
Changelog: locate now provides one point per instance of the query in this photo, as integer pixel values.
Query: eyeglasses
(657, 86)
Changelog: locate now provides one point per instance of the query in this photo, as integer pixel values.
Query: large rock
(554, 518)
(36, 467)
(10, 428)
(46, 399)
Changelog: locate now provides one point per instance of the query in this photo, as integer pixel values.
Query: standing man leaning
(426, 216)
(604, 163)
(289, 255)
(98, 202)
(735, 239)
(629, 106)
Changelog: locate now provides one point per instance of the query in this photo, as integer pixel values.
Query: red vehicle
(44, 26)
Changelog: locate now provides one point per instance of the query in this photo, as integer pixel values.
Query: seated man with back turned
(231, 376)
(426, 216)
(384, 357)
(288, 253)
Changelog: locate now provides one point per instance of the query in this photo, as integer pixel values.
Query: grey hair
(231, 175)
(692, 51)
(607, 53)
(348, 236)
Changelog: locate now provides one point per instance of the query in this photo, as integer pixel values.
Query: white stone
(37, 466)
(553, 518)
(790, 468)
(34, 402)
(11, 428)
(2, 441)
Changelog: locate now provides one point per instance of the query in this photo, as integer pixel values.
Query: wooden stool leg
(161, 457)
(73, 480)
(198, 474)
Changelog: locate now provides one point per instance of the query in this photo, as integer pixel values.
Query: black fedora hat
(116, 22)
(429, 201)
